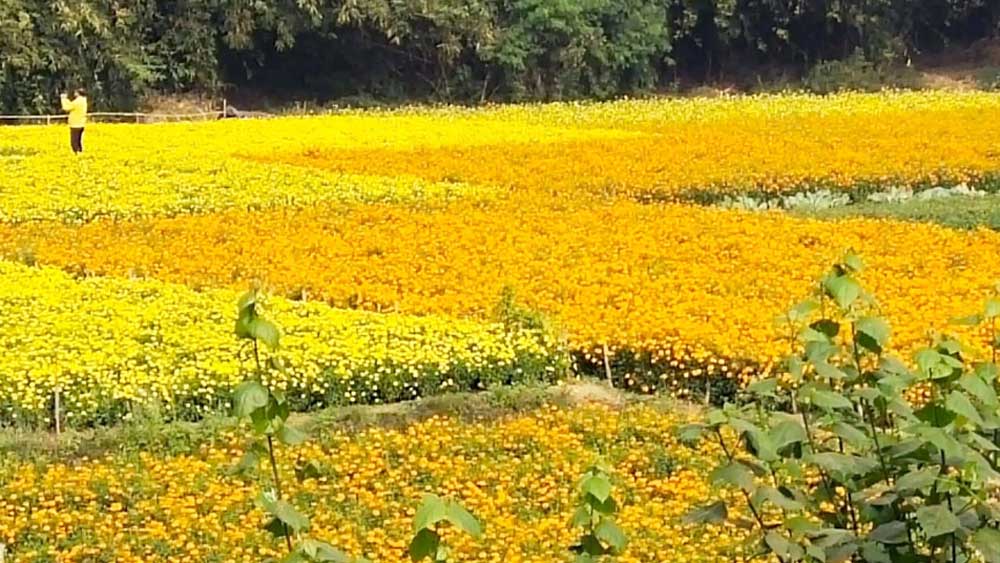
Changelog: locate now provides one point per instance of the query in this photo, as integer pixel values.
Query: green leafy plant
(595, 516)
(853, 455)
(267, 411)
(432, 514)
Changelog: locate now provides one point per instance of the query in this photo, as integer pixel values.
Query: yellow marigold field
(390, 244)
(109, 344)
(517, 475)
(665, 147)
(436, 211)
(694, 287)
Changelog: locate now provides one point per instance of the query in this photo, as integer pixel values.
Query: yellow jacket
(77, 109)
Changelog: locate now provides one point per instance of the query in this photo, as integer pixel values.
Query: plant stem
(270, 447)
(849, 500)
(947, 495)
(812, 446)
(277, 486)
(993, 349)
(746, 495)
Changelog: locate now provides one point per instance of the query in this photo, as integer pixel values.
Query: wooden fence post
(56, 412)
(607, 366)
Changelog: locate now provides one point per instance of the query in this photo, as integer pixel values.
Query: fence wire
(122, 117)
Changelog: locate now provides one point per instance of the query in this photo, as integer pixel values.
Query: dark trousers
(76, 139)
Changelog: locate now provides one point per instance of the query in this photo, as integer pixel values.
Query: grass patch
(174, 438)
(955, 212)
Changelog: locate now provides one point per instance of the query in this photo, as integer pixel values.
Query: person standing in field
(76, 107)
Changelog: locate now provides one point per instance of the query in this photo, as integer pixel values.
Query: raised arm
(67, 105)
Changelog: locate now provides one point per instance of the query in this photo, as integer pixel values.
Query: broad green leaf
(764, 387)
(290, 435)
(942, 440)
(743, 426)
(826, 327)
(285, 512)
(949, 347)
(843, 289)
(250, 460)
(840, 553)
(968, 519)
(845, 465)
(930, 363)
(308, 470)
(775, 497)
(581, 518)
(424, 545)
(787, 432)
(892, 533)
(981, 443)
(246, 300)
(609, 533)
(717, 417)
(829, 399)
(597, 486)
(851, 435)
(935, 415)
(590, 546)
(828, 371)
(781, 547)
(959, 403)
(987, 542)
(904, 448)
(873, 333)
(873, 552)
(853, 262)
(760, 445)
(277, 528)
(710, 514)
(320, 551)
(865, 393)
(988, 371)
(607, 508)
(801, 311)
(983, 466)
(464, 520)
(432, 510)
(246, 313)
(248, 397)
(937, 520)
(800, 525)
(690, 434)
(828, 537)
(735, 474)
(979, 388)
(795, 368)
(917, 479)
(265, 331)
(264, 422)
(819, 351)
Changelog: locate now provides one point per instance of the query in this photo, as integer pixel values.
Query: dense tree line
(460, 50)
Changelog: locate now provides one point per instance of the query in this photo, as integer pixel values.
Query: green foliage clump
(857, 73)
(853, 455)
(988, 78)
(595, 517)
(451, 50)
(434, 512)
(267, 410)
